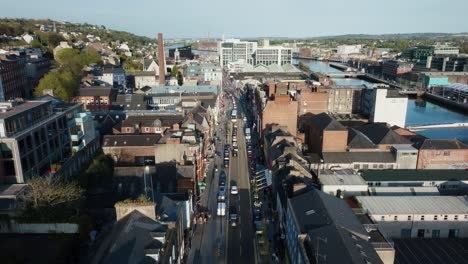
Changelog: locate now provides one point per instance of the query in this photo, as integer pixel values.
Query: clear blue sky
(252, 18)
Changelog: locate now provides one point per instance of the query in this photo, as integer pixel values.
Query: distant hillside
(414, 36)
(16, 27)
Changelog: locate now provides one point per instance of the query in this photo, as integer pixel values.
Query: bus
(234, 116)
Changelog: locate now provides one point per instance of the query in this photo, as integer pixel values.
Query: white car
(234, 189)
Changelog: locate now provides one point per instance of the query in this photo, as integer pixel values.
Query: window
(453, 233)
(381, 166)
(422, 217)
(356, 166)
(395, 218)
(374, 166)
(128, 130)
(455, 218)
(409, 217)
(365, 166)
(382, 218)
(435, 217)
(446, 153)
(147, 129)
(466, 217)
(435, 233)
(445, 217)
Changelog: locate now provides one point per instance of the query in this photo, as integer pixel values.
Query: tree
(99, 172)
(50, 199)
(180, 79)
(62, 83)
(175, 70)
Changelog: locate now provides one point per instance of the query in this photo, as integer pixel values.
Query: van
(221, 209)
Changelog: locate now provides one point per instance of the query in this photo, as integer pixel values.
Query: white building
(385, 105)
(145, 78)
(418, 216)
(28, 38)
(444, 50)
(150, 65)
(342, 183)
(345, 50)
(211, 72)
(234, 50)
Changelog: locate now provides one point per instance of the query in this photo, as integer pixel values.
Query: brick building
(150, 124)
(282, 111)
(130, 149)
(13, 82)
(324, 134)
(312, 100)
(442, 154)
(96, 98)
(393, 69)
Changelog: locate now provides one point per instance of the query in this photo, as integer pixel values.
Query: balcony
(77, 136)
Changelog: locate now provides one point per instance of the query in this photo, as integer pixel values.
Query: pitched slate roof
(443, 144)
(358, 140)
(152, 120)
(97, 91)
(327, 216)
(379, 133)
(325, 122)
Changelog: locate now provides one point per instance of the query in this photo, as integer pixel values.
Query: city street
(240, 245)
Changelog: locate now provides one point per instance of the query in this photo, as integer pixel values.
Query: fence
(38, 228)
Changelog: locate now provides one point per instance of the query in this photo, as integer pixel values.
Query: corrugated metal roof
(395, 205)
(404, 191)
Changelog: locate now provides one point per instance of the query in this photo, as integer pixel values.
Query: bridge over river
(436, 126)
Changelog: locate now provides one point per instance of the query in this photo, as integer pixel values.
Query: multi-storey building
(393, 69)
(234, 50)
(13, 78)
(37, 135)
(96, 98)
(384, 105)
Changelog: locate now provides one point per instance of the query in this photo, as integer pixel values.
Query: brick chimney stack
(162, 60)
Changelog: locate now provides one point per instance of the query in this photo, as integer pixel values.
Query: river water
(419, 112)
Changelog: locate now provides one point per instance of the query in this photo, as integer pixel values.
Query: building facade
(13, 82)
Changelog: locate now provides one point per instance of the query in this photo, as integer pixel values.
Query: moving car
(233, 215)
(234, 189)
(221, 194)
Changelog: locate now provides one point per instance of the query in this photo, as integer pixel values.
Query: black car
(233, 215)
(257, 214)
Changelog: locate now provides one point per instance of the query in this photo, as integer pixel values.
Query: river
(419, 112)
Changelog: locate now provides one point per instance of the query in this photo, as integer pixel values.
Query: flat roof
(21, 107)
(414, 175)
(395, 205)
(431, 250)
(340, 177)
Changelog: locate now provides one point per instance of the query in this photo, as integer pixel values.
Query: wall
(346, 190)
(313, 102)
(389, 110)
(38, 228)
(392, 229)
(122, 210)
(334, 141)
(281, 111)
(128, 154)
(442, 159)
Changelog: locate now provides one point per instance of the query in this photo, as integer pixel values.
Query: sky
(252, 18)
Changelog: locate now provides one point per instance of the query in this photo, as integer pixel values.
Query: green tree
(180, 79)
(175, 70)
(62, 83)
(99, 172)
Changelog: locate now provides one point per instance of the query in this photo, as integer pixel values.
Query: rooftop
(340, 177)
(404, 191)
(394, 205)
(443, 144)
(414, 175)
(131, 140)
(21, 107)
(380, 133)
(96, 91)
(354, 157)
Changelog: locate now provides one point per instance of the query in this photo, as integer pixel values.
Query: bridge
(436, 126)
(351, 74)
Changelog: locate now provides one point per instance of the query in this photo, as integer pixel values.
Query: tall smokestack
(162, 60)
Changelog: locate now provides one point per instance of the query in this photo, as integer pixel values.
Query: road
(240, 239)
